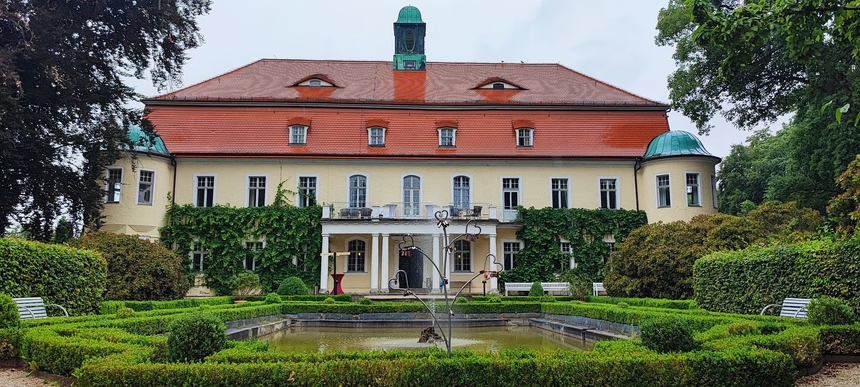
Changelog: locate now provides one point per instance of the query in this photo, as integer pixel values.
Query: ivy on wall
(287, 231)
(543, 230)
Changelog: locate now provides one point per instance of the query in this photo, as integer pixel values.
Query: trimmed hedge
(110, 307)
(60, 275)
(745, 281)
(651, 302)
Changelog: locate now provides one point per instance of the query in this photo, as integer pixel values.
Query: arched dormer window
(496, 83)
(316, 80)
(525, 137)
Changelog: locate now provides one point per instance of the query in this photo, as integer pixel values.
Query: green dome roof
(675, 143)
(409, 14)
(142, 142)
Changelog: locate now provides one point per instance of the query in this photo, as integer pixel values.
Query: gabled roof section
(369, 82)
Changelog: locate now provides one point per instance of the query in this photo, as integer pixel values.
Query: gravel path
(831, 375)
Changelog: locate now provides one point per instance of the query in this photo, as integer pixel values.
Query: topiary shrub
(623, 305)
(9, 317)
(273, 298)
(365, 301)
(138, 269)
(536, 290)
(667, 334)
(495, 299)
(292, 286)
(125, 312)
(328, 301)
(830, 311)
(743, 328)
(244, 284)
(547, 298)
(194, 336)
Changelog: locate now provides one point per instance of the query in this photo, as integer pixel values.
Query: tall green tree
(750, 170)
(63, 103)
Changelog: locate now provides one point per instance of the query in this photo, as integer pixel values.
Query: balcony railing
(410, 210)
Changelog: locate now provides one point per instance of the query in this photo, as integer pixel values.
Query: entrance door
(413, 265)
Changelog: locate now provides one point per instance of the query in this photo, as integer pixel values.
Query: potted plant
(246, 283)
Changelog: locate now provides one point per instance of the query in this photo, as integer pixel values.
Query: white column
(324, 265)
(438, 262)
(494, 282)
(374, 263)
(385, 262)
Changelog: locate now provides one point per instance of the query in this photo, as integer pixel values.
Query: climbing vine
(287, 231)
(543, 229)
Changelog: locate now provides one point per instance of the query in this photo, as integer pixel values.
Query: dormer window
(376, 136)
(315, 82)
(525, 137)
(498, 84)
(447, 137)
(298, 135)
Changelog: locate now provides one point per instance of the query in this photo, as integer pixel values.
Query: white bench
(34, 307)
(563, 287)
(598, 287)
(791, 307)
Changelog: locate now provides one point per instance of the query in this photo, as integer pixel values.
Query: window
(564, 246)
(498, 86)
(461, 192)
(205, 191)
(609, 194)
(298, 135)
(307, 191)
(254, 256)
(357, 256)
(510, 251)
(144, 187)
(714, 190)
(663, 191)
(511, 192)
(462, 255)
(198, 255)
(411, 196)
(447, 136)
(525, 137)
(314, 83)
(693, 198)
(357, 191)
(113, 185)
(256, 191)
(376, 136)
(559, 193)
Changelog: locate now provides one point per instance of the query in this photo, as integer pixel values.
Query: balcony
(412, 210)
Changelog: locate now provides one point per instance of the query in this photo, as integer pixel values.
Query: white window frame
(507, 190)
(527, 140)
(510, 256)
(552, 191)
(454, 256)
(454, 196)
(371, 138)
(416, 209)
(569, 252)
(303, 135)
(151, 200)
(663, 189)
(347, 258)
(196, 187)
(301, 199)
(248, 189)
(698, 189)
(610, 241)
(714, 191)
(255, 253)
(197, 249)
(116, 190)
(617, 191)
(453, 136)
(349, 191)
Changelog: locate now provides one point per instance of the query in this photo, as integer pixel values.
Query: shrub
(9, 317)
(273, 298)
(292, 286)
(495, 299)
(743, 328)
(830, 311)
(365, 301)
(547, 298)
(60, 275)
(623, 305)
(138, 269)
(125, 312)
(194, 336)
(245, 284)
(328, 300)
(536, 290)
(667, 334)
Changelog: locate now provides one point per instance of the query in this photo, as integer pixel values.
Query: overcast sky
(611, 40)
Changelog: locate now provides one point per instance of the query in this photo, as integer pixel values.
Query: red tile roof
(225, 131)
(376, 82)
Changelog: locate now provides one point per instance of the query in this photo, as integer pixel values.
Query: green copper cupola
(409, 31)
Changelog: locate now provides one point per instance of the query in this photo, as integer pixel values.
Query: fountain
(443, 223)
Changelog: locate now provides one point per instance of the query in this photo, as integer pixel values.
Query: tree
(748, 172)
(844, 209)
(63, 103)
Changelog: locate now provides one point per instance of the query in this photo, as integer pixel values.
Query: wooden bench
(598, 288)
(791, 307)
(563, 287)
(34, 307)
